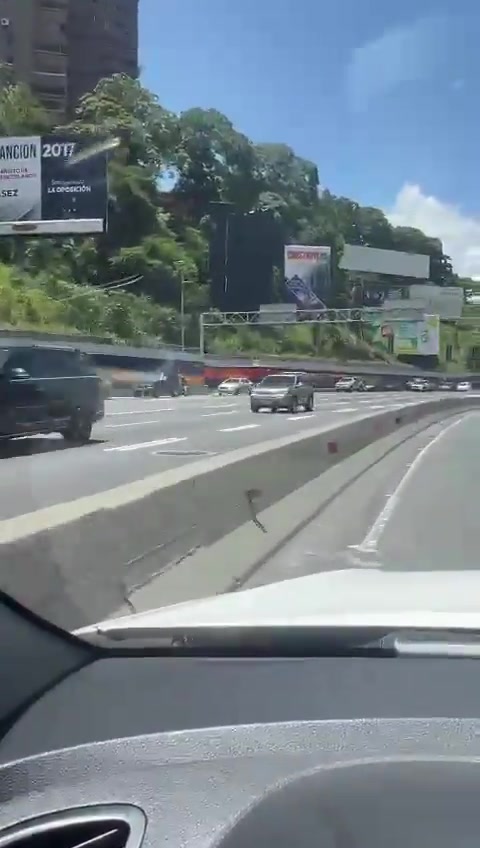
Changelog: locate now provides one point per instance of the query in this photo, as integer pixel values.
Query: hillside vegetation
(161, 238)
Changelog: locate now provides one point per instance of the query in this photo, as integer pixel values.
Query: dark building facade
(102, 38)
(62, 48)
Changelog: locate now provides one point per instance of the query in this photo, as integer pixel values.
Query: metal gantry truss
(301, 316)
(316, 316)
(312, 316)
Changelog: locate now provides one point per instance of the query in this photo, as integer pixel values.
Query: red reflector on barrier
(332, 447)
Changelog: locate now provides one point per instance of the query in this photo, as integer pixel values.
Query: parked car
(464, 386)
(283, 391)
(47, 390)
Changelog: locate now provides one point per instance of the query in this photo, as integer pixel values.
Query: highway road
(416, 510)
(142, 436)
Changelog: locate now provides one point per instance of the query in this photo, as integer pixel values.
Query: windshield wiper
(291, 641)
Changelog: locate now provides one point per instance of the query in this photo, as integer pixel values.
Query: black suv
(48, 390)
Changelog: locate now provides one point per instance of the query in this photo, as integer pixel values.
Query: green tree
(215, 162)
(20, 111)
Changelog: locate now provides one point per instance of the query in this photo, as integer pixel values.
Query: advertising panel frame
(51, 184)
(308, 274)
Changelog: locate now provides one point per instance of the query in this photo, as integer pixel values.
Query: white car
(464, 387)
(346, 384)
(235, 386)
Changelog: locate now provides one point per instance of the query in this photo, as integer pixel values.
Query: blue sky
(383, 96)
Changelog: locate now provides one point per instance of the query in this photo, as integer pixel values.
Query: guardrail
(131, 533)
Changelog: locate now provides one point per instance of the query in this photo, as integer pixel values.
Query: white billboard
(48, 186)
(445, 301)
(308, 274)
(373, 260)
(417, 338)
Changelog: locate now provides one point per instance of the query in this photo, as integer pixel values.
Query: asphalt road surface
(416, 510)
(142, 436)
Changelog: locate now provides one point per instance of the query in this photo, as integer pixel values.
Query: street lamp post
(182, 309)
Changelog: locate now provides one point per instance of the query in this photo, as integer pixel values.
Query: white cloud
(459, 233)
(404, 53)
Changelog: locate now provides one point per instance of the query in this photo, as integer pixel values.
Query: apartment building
(62, 48)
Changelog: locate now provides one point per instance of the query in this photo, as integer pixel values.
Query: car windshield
(240, 294)
(272, 382)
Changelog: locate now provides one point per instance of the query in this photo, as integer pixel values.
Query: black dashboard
(241, 752)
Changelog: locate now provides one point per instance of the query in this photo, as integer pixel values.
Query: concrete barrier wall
(78, 563)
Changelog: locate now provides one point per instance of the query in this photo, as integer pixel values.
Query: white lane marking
(235, 429)
(301, 417)
(216, 414)
(371, 540)
(347, 409)
(141, 411)
(140, 445)
(133, 424)
(221, 406)
(377, 406)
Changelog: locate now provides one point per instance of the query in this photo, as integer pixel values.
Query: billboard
(420, 338)
(410, 337)
(308, 274)
(44, 190)
(373, 260)
(445, 301)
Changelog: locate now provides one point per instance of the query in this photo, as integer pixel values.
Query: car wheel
(294, 407)
(79, 430)
(254, 408)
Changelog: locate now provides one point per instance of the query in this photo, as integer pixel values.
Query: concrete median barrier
(79, 562)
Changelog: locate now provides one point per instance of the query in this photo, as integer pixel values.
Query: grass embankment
(330, 341)
(43, 303)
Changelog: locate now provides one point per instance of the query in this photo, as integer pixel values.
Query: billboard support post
(202, 333)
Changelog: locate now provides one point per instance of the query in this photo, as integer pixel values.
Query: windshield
(277, 381)
(258, 226)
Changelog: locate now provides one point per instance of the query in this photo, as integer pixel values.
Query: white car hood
(352, 597)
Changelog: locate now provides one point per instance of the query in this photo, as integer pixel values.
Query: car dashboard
(198, 751)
